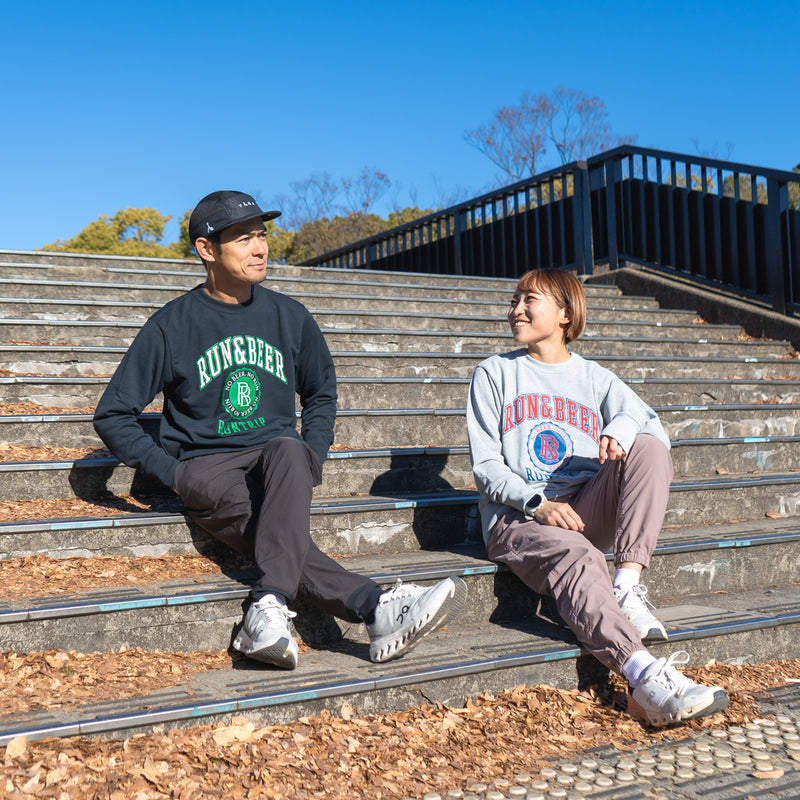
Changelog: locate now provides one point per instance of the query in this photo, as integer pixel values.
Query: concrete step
(624, 339)
(432, 427)
(345, 294)
(84, 265)
(687, 562)
(74, 359)
(389, 471)
(355, 524)
(601, 317)
(469, 655)
(84, 391)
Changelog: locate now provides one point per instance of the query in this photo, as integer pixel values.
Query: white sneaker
(407, 613)
(665, 696)
(633, 604)
(265, 635)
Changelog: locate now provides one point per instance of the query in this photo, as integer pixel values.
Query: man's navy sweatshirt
(229, 375)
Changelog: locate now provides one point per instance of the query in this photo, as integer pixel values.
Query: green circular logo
(242, 393)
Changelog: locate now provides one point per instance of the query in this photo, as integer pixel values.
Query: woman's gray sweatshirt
(535, 428)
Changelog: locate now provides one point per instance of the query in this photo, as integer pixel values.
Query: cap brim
(264, 216)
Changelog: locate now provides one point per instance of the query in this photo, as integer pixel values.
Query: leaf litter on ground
(347, 754)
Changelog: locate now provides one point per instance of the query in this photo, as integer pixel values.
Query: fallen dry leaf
(17, 746)
(768, 774)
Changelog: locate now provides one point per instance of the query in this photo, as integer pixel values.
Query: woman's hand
(610, 449)
(559, 515)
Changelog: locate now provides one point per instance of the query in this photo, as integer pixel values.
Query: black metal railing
(712, 220)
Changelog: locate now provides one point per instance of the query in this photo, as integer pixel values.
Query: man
(229, 357)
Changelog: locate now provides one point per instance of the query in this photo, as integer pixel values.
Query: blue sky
(108, 105)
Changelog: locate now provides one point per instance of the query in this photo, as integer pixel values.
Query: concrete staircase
(398, 498)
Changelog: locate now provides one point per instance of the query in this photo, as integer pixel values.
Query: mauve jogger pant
(258, 502)
(622, 508)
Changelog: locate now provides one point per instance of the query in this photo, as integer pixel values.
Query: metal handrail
(627, 204)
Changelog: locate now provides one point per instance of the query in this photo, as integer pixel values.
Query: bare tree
(515, 139)
(311, 199)
(363, 191)
(518, 137)
(578, 125)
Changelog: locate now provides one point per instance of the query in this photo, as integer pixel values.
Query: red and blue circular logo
(548, 447)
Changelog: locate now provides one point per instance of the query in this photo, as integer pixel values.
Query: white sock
(635, 666)
(625, 578)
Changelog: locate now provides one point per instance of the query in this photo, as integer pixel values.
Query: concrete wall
(714, 306)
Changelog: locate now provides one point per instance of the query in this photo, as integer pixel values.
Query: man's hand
(560, 515)
(610, 449)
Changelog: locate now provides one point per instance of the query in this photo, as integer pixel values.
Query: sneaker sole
(719, 702)
(280, 654)
(655, 635)
(454, 603)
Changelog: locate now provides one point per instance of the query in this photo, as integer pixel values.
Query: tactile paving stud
(548, 774)
(646, 772)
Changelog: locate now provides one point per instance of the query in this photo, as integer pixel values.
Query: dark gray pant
(258, 502)
(622, 508)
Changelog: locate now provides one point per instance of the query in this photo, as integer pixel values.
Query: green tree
(130, 232)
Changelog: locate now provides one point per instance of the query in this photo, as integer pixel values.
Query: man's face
(241, 258)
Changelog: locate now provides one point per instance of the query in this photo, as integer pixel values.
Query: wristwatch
(533, 504)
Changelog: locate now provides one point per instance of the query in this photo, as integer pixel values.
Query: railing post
(613, 177)
(777, 203)
(582, 219)
(458, 265)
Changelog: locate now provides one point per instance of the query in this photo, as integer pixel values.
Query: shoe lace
(639, 592)
(399, 591)
(273, 611)
(669, 677)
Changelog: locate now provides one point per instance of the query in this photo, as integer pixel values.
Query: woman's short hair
(565, 289)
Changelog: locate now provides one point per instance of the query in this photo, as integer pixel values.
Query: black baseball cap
(220, 210)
